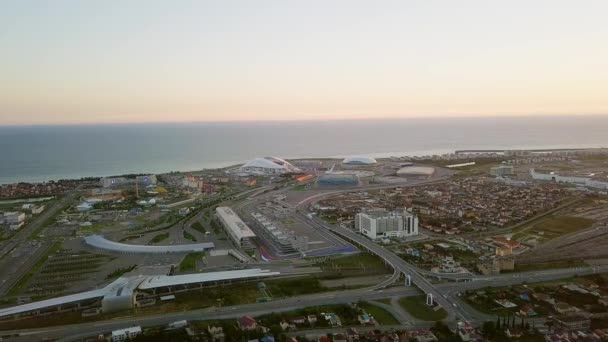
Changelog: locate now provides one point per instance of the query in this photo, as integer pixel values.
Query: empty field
(416, 306)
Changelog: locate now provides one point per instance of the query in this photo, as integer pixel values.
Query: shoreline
(379, 155)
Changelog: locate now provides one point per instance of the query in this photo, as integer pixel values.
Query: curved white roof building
(100, 242)
(416, 171)
(359, 160)
(269, 165)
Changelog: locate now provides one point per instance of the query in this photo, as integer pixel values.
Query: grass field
(384, 301)
(361, 262)
(417, 307)
(158, 238)
(555, 226)
(198, 226)
(189, 236)
(380, 315)
(539, 266)
(560, 225)
(189, 262)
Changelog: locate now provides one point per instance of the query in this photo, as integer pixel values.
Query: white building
(585, 181)
(238, 231)
(382, 224)
(501, 170)
(14, 220)
(268, 166)
(127, 333)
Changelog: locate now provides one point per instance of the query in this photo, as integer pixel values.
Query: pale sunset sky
(106, 61)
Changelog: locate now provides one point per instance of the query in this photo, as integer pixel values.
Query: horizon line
(254, 121)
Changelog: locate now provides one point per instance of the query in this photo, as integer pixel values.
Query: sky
(114, 61)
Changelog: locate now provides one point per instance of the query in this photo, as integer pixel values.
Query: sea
(42, 153)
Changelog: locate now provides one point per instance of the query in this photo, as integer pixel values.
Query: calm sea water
(39, 153)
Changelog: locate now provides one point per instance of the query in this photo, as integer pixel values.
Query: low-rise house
(422, 335)
(247, 323)
(284, 325)
(527, 311)
(352, 334)
(365, 319)
(312, 319)
(541, 297)
(217, 333)
(333, 319)
(298, 320)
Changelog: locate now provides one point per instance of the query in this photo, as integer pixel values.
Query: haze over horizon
(73, 62)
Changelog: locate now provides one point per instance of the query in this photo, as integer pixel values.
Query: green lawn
(380, 315)
(198, 226)
(189, 236)
(120, 271)
(539, 266)
(158, 238)
(364, 262)
(189, 262)
(386, 301)
(417, 307)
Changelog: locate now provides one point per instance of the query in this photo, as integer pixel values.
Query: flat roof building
(238, 231)
(125, 334)
(379, 224)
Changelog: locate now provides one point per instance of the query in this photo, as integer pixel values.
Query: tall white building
(383, 224)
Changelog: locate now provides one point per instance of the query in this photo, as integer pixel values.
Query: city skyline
(74, 63)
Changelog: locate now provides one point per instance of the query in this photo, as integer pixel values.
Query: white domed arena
(269, 165)
(360, 160)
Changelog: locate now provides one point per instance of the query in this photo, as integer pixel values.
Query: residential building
(380, 224)
(14, 220)
(247, 323)
(126, 334)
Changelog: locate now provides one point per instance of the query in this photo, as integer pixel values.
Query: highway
(449, 290)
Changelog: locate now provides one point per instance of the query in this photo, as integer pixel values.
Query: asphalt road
(450, 290)
(8, 274)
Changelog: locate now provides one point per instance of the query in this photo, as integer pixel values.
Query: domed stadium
(269, 165)
(361, 160)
